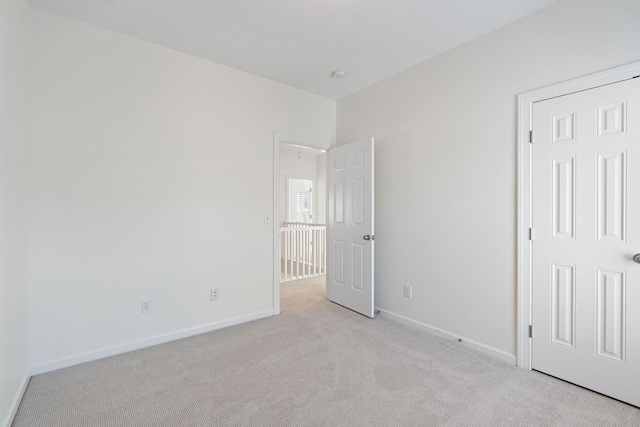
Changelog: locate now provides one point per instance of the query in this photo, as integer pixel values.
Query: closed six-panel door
(586, 232)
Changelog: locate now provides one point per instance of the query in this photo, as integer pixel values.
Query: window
(300, 200)
(303, 206)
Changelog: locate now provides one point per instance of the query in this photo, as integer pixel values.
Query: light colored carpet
(316, 364)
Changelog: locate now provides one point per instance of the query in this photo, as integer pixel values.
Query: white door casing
(586, 230)
(350, 226)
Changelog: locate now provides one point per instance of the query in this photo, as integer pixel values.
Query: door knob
(636, 258)
(368, 237)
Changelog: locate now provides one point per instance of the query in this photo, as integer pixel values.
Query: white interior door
(586, 232)
(350, 232)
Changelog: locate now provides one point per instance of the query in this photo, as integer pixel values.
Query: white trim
(525, 102)
(493, 352)
(13, 409)
(279, 138)
(137, 345)
(276, 223)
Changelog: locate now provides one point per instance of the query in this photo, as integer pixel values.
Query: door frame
(278, 140)
(524, 260)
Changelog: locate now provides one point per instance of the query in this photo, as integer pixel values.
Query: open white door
(350, 232)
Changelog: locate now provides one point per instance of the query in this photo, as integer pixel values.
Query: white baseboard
(483, 348)
(136, 345)
(13, 409)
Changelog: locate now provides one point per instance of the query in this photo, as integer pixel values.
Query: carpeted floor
(316, 364)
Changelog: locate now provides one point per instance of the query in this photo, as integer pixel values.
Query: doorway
(302, 209)
(300, 212)
(346, 248)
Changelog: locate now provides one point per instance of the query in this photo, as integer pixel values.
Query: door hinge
(530, 331)
(530, 233)
(530, 136)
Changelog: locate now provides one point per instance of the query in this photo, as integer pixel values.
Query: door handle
(372, 237)
(636, 258)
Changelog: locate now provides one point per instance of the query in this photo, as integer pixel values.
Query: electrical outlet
(146, 306)
(215, 294)
(408, 291)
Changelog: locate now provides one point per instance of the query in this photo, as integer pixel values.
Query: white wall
(150, 173)
(14, 366)
(446, 161)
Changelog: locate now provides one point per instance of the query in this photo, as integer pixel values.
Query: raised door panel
(357, 266)
(612, 196)
(610, 318)
(358, 159)
(563, 301)
(338, 203)
(338, 253)
(612, 118)
(564, 127)
(563, 205)
(357, 202)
